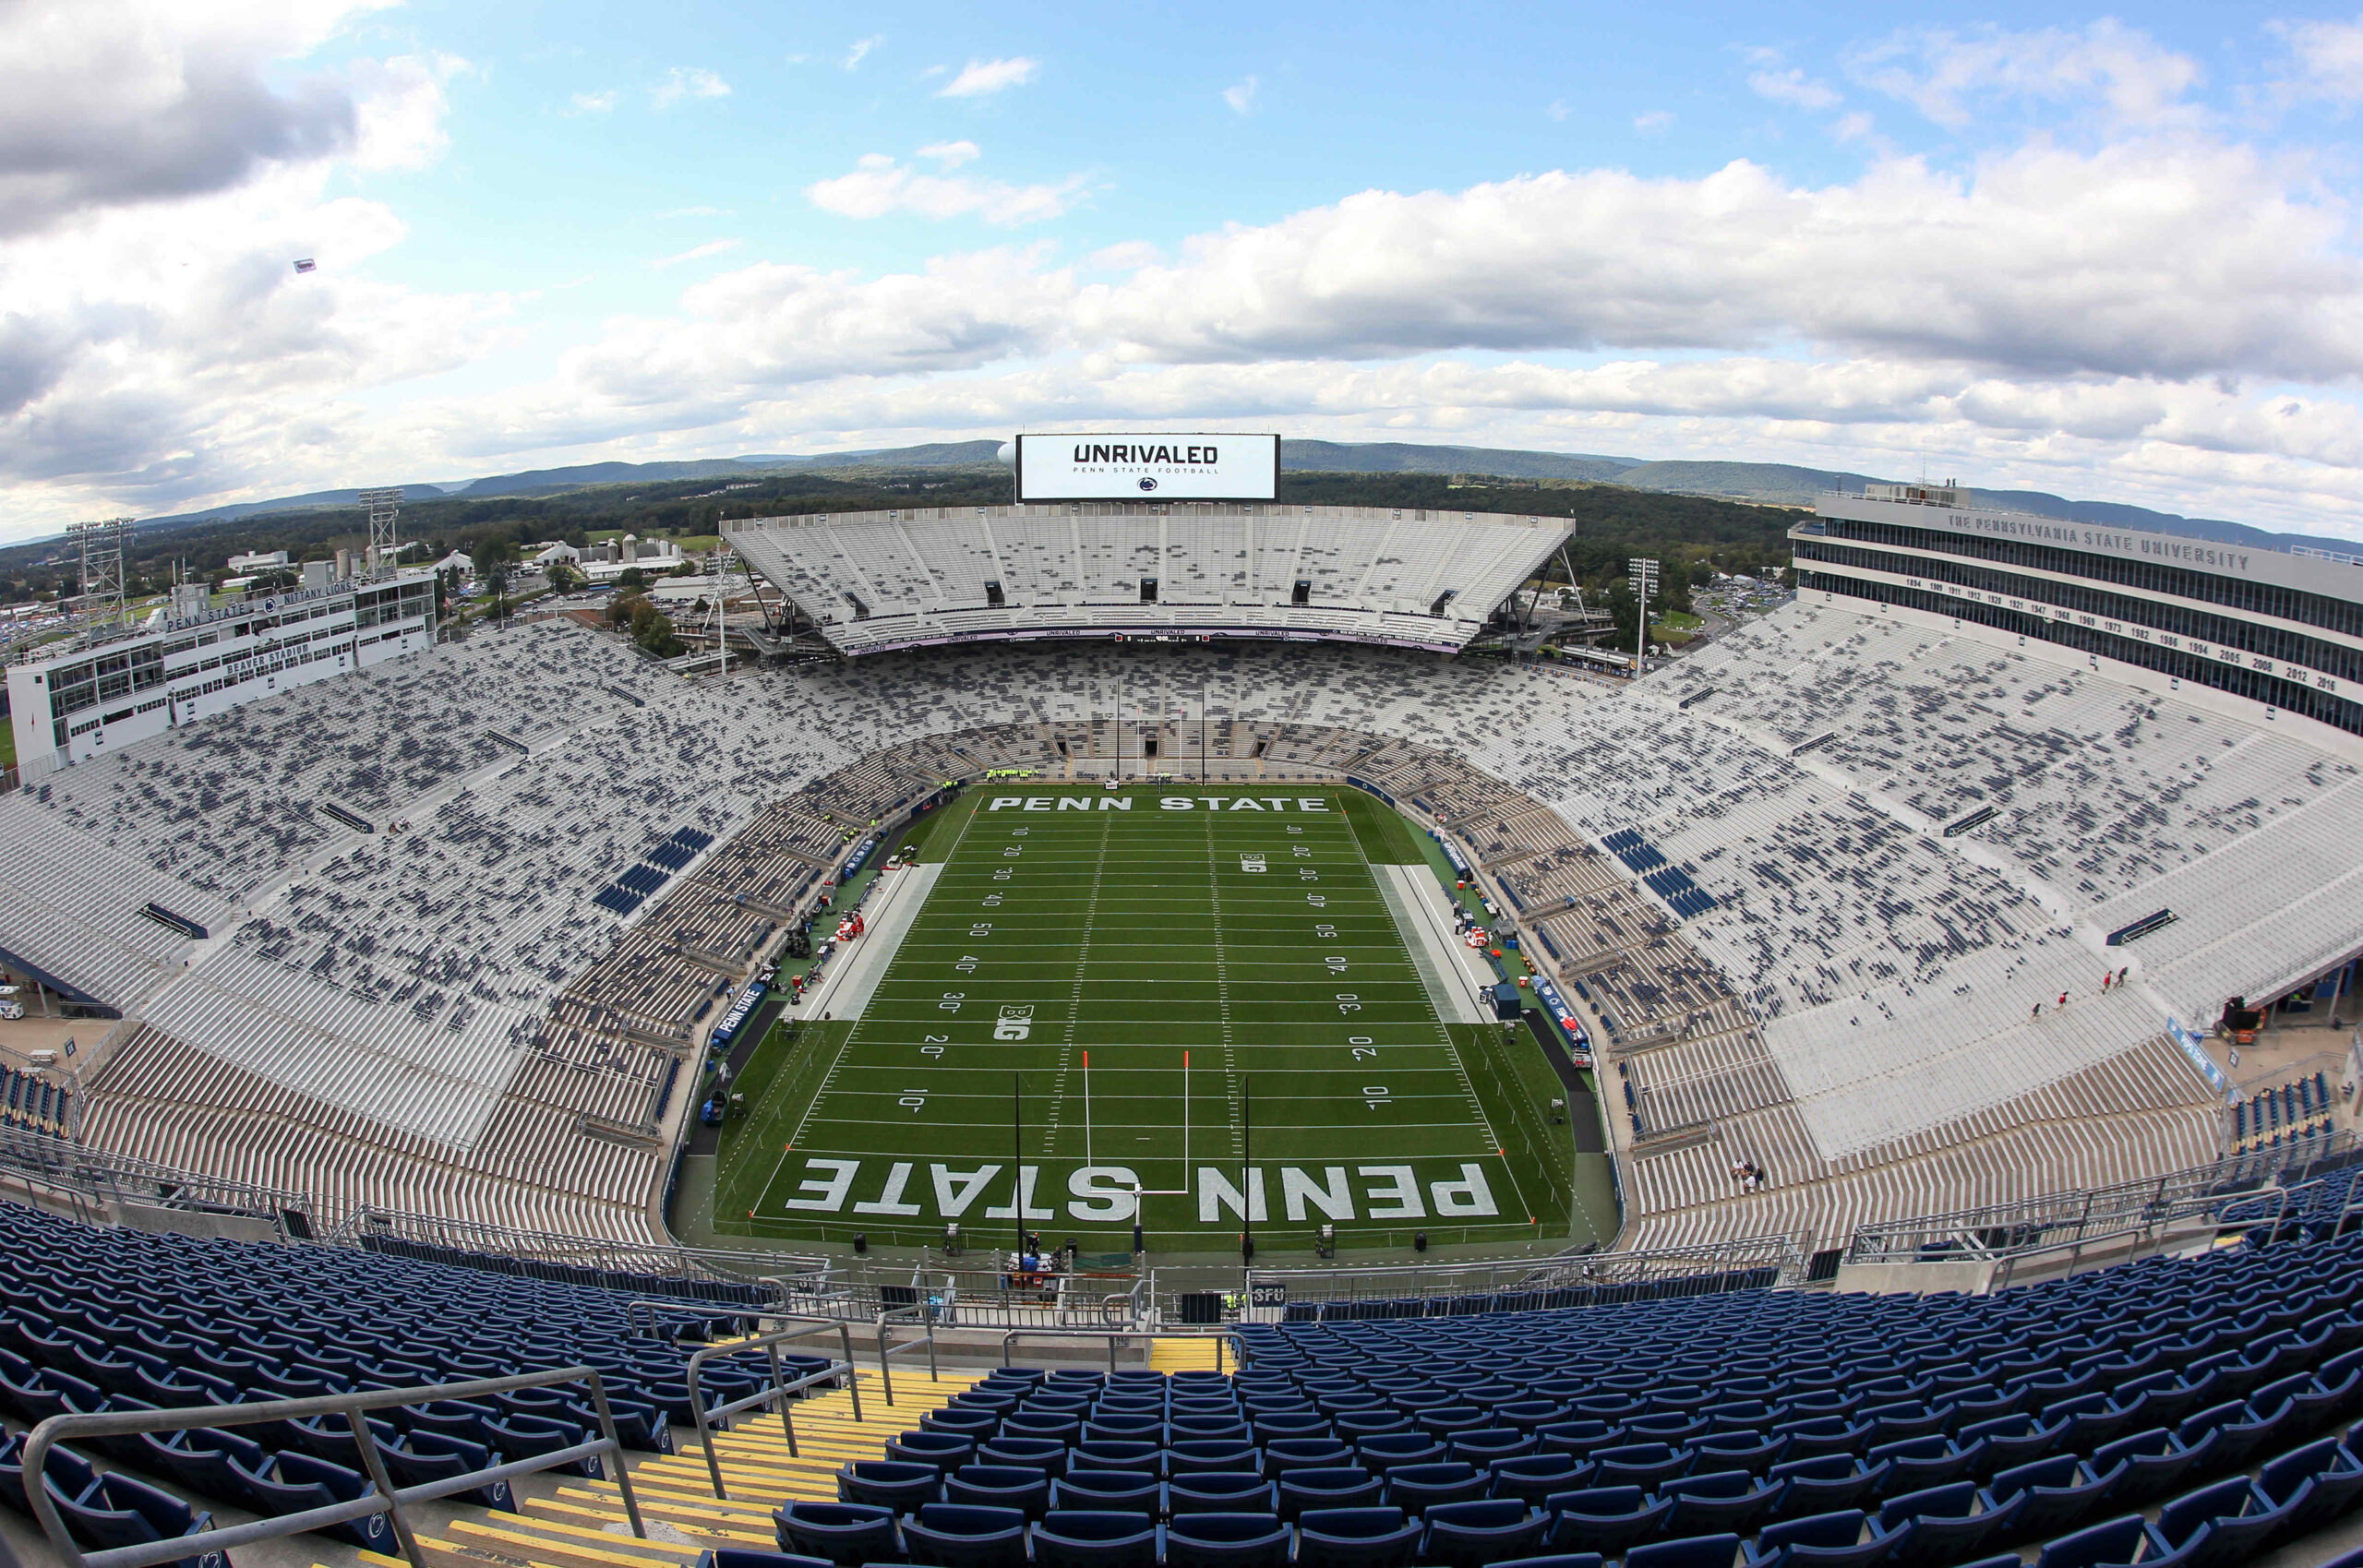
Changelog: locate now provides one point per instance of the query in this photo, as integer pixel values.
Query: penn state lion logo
(1015, 1023)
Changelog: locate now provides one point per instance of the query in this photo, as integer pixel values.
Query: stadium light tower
(717, 622)
(103, 544)
(1644, 578)
(385, 545)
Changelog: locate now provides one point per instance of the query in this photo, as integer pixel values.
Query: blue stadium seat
(1357, 1538)
(1471, 1534)
(288, 1482)
(895, 1484)
(1846, 1538)
(1109, 1492)
(1073, 1538)
(847, 1534)
(2154, 1464)
(1046, 1454)
(1603, 1519)
(1384, 1453)
(1226, 1540)
(1221, 1491)
(1826, 1483)
(1336, 1486)
(420, 1457)
(1720, 1501)
(120, 1511)
(1190, 1455)
(2059, 1494)
(1691, 1552)
(2316, 1484)
(1945, 1524)
(943, 1449)
(958, 1535)
(1417, 1488)
(1023, 1487)
(1532, 1478)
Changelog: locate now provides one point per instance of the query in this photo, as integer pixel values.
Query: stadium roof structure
(1403, 577)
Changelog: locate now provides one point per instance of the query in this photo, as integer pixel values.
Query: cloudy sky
(2115, 257)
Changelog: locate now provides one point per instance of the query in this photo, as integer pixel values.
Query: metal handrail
(384, 1498)
(887, 1320)
(692, 1265)
(686, 1307)
(83, 1172)
(1221, 1336)
(770, 1343)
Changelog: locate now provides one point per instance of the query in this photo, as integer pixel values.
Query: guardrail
(713, 1274)
(778, 1390)
(925, 1317)
(1747, 1263)
(90, 1179)
(1116, 1337)
(383, 1498)
(1995, 1231)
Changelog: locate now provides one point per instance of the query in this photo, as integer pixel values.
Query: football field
(1187, 1007)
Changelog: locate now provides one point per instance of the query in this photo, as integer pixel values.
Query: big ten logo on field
(1015, 1023)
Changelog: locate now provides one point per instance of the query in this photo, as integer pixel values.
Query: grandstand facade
(1401, 577)
(104, 691)
(2279, 629)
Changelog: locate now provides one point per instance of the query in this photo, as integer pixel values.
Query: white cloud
(593, 103)
(1126, 256)
(879, 185)
(1792, 88)
(1652, 120)
(688, 81)
(695, 253)
(1942, 73)
(952, 154)
(979, 77)
(402, 106)
(146, 101)
(1241, 97)
(2138, 259)
(1556, 109)
(2329, 56)
(860, 50)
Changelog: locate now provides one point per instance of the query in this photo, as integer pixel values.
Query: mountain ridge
(1766, 484)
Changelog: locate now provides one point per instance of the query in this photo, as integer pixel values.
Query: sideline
(889, 914)
(1443, 960)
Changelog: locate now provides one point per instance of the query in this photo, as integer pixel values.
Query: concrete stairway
(582, 1524)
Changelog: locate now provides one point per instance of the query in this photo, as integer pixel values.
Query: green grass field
(1030, 1034)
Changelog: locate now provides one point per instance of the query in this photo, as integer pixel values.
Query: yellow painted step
(736, 1512)
(1184, 1354)
(558, 1548)
(440, 1553)
(705, 1531)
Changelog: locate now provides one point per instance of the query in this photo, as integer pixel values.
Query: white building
(465, 564)
(106, 690)
(557, 553)
(258, 560)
